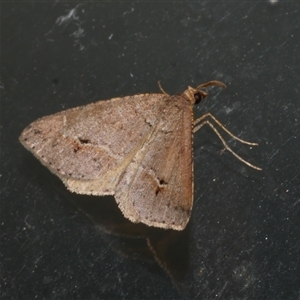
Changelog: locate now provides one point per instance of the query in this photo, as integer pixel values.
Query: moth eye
(198, 97)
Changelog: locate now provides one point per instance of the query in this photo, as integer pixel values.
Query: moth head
(195, 95)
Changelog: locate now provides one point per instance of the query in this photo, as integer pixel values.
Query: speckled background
(243, 238)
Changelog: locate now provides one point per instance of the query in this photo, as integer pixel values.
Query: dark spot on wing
(77, 147)
(36, 131)
(84, 141)
(157, 191)
(162, 182)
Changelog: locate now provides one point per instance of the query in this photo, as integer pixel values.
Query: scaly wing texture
(137, 147)
(90, 146)
(157, 186)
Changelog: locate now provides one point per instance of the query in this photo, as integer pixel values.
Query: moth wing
(90, 147)
(157, 186)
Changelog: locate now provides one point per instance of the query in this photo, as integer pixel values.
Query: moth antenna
(211, 83)
(162, 90)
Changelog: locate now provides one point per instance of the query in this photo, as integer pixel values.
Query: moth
(138, 148)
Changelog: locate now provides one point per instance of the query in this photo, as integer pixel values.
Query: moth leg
(162, 90)
(197, 126)
(224, 143)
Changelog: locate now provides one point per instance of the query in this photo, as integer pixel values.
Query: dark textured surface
(243, 238)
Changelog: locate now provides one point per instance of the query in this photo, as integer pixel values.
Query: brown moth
(138, 148)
